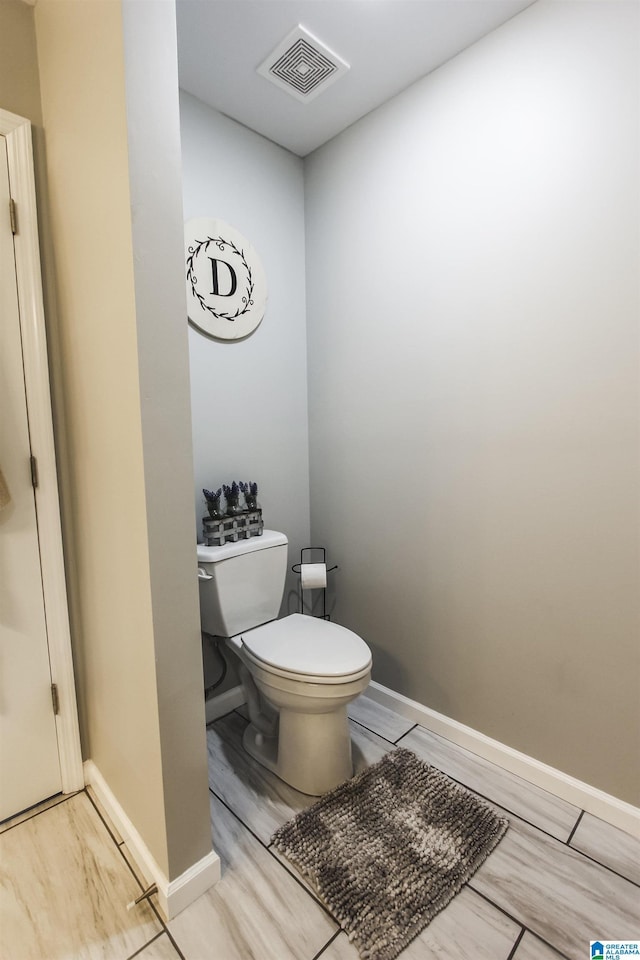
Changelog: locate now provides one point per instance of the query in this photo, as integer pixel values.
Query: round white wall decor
(226, 284)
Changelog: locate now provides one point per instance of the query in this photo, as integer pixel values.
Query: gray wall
(249, 397)
(155, 165)
(472, 252)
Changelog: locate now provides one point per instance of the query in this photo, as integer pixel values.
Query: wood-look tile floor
(559, 878)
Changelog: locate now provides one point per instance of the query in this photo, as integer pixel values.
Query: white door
(29, 762)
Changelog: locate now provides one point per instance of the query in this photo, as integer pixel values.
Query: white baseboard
(583, 795)
(225, 703)
(173, 895)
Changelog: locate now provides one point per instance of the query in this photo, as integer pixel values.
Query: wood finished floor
(559, 878)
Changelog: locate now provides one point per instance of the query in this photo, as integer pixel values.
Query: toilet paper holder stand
(296, 569)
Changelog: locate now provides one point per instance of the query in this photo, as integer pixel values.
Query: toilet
(298, 673)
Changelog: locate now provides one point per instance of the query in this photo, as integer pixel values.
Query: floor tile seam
(222, 716)
(374, 732)
(405, 734)
(517, 943)
(63, 799)
(238, 818)
(310, 893)
(563, 843)
(118, 843)
(159, 917)
(575, 827)
(506, 810)
(500, 770)
(121, 847)
(268, 848)
(171, 937)
(604, 866)
(137, 953)
(327, 944)
(520, 923)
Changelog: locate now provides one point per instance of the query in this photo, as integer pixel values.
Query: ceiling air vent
(302, 65)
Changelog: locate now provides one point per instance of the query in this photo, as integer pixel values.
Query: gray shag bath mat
(390, 848)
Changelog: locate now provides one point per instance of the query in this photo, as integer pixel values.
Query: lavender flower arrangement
(233, 522)
(232, 492)
(213, 502)
(251, 495)
(232, 495)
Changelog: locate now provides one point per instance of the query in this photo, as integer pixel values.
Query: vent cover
(302, 65)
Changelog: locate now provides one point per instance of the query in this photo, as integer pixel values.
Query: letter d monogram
(214, 278)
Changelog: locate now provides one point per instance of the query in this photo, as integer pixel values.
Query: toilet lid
(308, 645)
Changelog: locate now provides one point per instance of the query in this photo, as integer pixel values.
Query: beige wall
(472, 251)
(82, 76)
(19, 83)
(140, 679)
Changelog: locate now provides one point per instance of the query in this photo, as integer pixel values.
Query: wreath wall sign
(226, 285)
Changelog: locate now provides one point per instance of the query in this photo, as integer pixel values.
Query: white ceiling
(388, 43)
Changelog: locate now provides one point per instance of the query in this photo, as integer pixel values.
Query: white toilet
(298, 673)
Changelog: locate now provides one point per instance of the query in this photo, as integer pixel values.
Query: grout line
(169, 934)
(267, 847)
(121, 847)
(309, 892)
(145, 945)
(238, 818)
(135, 876)
(221, 717)
(524, 926)
(575, 827)
(497, 906)
(374, 732)
(604, 866)
(36, 813)
(327, 944)
(405, 734)
(156, 912)
(552, 836)
(496, 803)
(518, 816)
(516, 944)
(118, 843)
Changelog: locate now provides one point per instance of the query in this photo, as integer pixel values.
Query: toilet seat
(300, 647)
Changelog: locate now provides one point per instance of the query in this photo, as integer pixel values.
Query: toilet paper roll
(313, 575)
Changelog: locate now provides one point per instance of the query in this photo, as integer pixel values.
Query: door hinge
(12, 216)
(34, 472)
(55, 698)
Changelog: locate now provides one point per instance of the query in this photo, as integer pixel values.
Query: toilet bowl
(307, 670)
(298, 673)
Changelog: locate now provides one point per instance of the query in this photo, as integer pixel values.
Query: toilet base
(312, 751)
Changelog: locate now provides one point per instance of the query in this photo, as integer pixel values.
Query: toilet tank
(241, 584)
